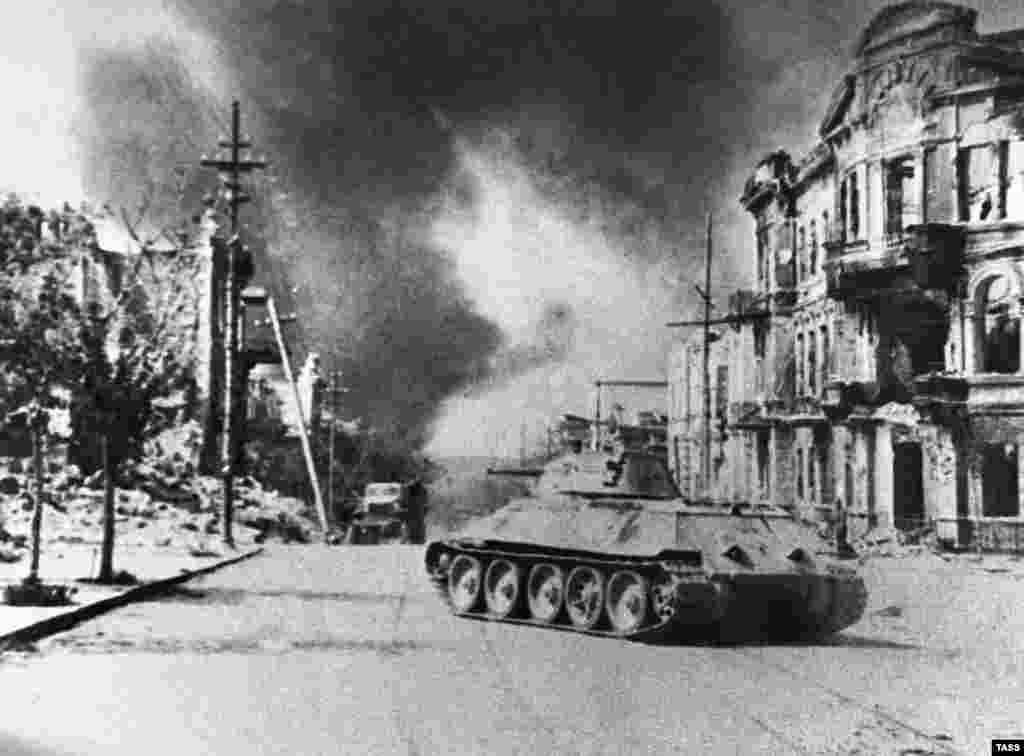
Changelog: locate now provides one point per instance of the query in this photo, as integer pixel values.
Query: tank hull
(664, 571)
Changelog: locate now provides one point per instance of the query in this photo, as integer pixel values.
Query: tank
(607, 546)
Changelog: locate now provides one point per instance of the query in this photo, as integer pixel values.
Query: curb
(61, 622)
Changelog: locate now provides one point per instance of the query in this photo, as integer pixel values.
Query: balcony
(807, 412)
(840, 397)
(935, 252)
(748, 416)
(856, 273)
(937, 387)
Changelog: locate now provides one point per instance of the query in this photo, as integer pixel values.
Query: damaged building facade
(174, 282)
(876, 364)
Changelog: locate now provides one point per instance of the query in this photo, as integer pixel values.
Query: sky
(476, 208)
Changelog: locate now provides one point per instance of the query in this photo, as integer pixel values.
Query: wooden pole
(706, 294)
(106, 573)
(37, 511)
(303, 431)
(233, 166)
(336, 390)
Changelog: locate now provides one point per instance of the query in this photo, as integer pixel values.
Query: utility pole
(231, 170)
(336, 390)
(705, 294)
(307, 449)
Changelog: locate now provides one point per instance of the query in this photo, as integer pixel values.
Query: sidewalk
(155, 568)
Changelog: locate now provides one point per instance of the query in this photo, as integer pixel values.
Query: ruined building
(173, 281)
(877, 362)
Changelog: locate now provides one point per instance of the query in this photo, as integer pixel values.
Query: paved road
(312, 650)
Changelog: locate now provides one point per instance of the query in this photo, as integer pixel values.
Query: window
(980, 185)
(812, 365)
(853, 199)
(812, 262)
(1000, 336)
(763, 459)
(1015, 180)
(825, 483)
(841, 229)
(800, 364)
(799, 473)
(901, 206)
(763, 279)
(826, 356)
(826, 231)
(812, 481)
(1000, 496)
(801, 253)
(721, 390)
(760, 339)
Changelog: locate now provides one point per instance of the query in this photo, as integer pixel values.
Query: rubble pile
(161, 504)
(893, 543)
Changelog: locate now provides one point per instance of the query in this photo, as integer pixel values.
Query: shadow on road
(842, 640)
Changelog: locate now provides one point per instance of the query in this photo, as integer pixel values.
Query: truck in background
(390, 511)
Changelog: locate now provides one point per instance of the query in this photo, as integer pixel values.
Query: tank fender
(684, 557)
(436, 557)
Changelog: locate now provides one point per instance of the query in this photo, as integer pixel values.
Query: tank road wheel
(584, 597)
(663, 598)
(627, 601)
(501, 587)
(464, 581)
(545, 591)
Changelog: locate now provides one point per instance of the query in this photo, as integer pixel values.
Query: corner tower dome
(897, 22)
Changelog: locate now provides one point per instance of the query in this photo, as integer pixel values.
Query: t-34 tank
(607, 546)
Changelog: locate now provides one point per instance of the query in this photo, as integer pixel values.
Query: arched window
(801, 254)
(812, 264)
(997, 325)
(799, 473)
(800, 357)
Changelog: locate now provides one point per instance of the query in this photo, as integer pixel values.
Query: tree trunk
(37, 512)
(107, 549)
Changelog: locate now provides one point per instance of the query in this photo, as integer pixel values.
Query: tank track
(692, 605)
(657, 628)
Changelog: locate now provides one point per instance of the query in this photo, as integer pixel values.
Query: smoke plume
(482, 207)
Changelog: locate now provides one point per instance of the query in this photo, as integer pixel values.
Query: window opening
(1000, 496)
(901, 208)
(979, 183)
(1001, 334)
(799, 473)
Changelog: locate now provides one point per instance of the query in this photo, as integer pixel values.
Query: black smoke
(634, 106)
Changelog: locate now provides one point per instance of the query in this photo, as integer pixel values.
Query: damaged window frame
(986, 201)
(1000, 471)
(901, 209)
(998, 328)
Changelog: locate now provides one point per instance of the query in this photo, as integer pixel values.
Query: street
(317, 650)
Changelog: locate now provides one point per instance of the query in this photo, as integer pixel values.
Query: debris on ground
(160, 502)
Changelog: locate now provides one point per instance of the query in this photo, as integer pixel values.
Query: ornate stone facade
(878, 359)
